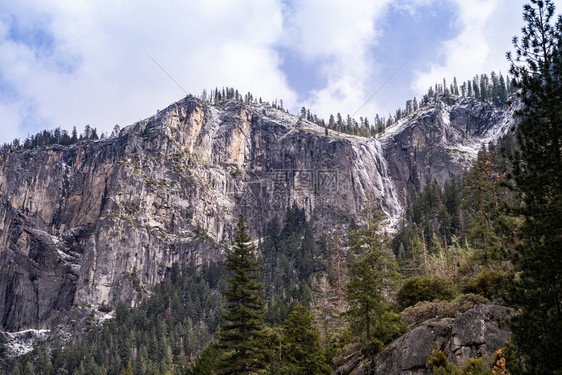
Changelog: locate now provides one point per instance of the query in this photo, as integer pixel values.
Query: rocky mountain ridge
(102, 221)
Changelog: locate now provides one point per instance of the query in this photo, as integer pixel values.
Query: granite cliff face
(102, 221)
(439, 141)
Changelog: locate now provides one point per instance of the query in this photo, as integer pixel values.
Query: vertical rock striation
(103, 221)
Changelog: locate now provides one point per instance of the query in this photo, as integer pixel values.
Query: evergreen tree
(484, 87)
(373, 273)
(502, 93)
(87, 132)
(28, 369)
(128, 370)
(455, 86)
(302, 354)
(482, 203)
(206, 362)
(243, 325)
(476, 87)
(537, 173)
(332, 123)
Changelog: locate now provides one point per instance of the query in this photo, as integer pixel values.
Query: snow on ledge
(22, 342)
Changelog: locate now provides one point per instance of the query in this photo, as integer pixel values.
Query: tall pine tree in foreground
(537, 173)
(241, 335)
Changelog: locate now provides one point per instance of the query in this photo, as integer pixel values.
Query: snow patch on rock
(22, 342)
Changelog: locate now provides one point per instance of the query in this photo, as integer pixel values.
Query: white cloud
(98, 72)
(9, 115)
(486, 27)
(94, 69)
(337, 36)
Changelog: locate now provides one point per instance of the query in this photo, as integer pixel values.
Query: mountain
(103, 221)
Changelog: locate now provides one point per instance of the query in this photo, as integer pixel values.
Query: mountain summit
(103, 221)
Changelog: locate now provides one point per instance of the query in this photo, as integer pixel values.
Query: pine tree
(476, 88)
(74, 137)
(243, 325)
(87, 131)
(16, 370)
(502, 94)
(484, 87)
(537, 173)
(28, 369)
(332, 123)
(373, 273)
(482, 204)
(206, 362)
(128, 370)
(455, 86)
(302, 354)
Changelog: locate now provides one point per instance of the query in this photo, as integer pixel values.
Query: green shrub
(487, 284)
(418, 289)
(439, 359)
(426, 310)
(391, 327)
(471, 366)
(474, 366)
(104, 308)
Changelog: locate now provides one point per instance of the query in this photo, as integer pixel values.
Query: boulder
(474, 333)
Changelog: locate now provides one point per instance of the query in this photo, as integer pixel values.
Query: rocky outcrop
(441, 140)
(38, 280)
(103, 221)
(470, 334)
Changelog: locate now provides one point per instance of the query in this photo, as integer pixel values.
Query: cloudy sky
(75, 62)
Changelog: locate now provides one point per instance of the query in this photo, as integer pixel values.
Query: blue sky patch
(404, 35)
(36, 36)
(302, 76)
